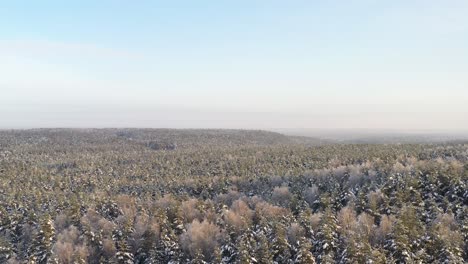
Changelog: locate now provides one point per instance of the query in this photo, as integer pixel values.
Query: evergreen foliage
(194, 196)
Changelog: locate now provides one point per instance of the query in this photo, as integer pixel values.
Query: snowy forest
(228, 196)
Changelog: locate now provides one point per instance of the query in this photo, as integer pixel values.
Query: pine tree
(109, 210)
(94, 240)
(42, 245)
(281, 247)
(304, 220)
(78, 259)
(263, 253)
(6, 225)
(74, 212)
(407, 236)
(229, 252)
(167, 249)
(198, 258)
(123, 254)
(144, 252)
(6, 251)
(327, 238)
(178, 225)
(246, 247)
(217, 256)
(245, 256)
(304, 254)
(5, 221)
(361, 202)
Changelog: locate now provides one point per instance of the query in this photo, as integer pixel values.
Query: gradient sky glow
(234, 64)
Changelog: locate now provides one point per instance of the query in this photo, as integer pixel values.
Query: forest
(228, 196)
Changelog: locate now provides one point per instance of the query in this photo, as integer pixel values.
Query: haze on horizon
(384, 65)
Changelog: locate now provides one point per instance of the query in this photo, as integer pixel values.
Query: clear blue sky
(247, 64)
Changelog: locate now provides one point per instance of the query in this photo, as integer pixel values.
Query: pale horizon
(366, 65)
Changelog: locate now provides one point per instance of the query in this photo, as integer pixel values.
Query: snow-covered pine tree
(327, 237)
(5, 220)
(41, 248)
(247, 246)
(94, 240)
(7, 226)
(217, 256)
(304, 219)
(304, 254)
(6, 251)
(123, 254)
(109, 210)
(263, 252)
(149, 242)
(361, 200)
(167, 249)
(405, 244)
(198, 258)
(74, 212)
(280, 245)
(229, 252)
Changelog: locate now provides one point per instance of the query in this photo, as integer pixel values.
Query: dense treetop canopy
(228, 196)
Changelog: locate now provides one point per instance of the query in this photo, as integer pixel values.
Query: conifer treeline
(175, 196)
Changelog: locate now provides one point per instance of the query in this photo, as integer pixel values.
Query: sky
(235, 64)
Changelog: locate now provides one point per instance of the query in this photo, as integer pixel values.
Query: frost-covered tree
(200, 237)
(448, 240)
